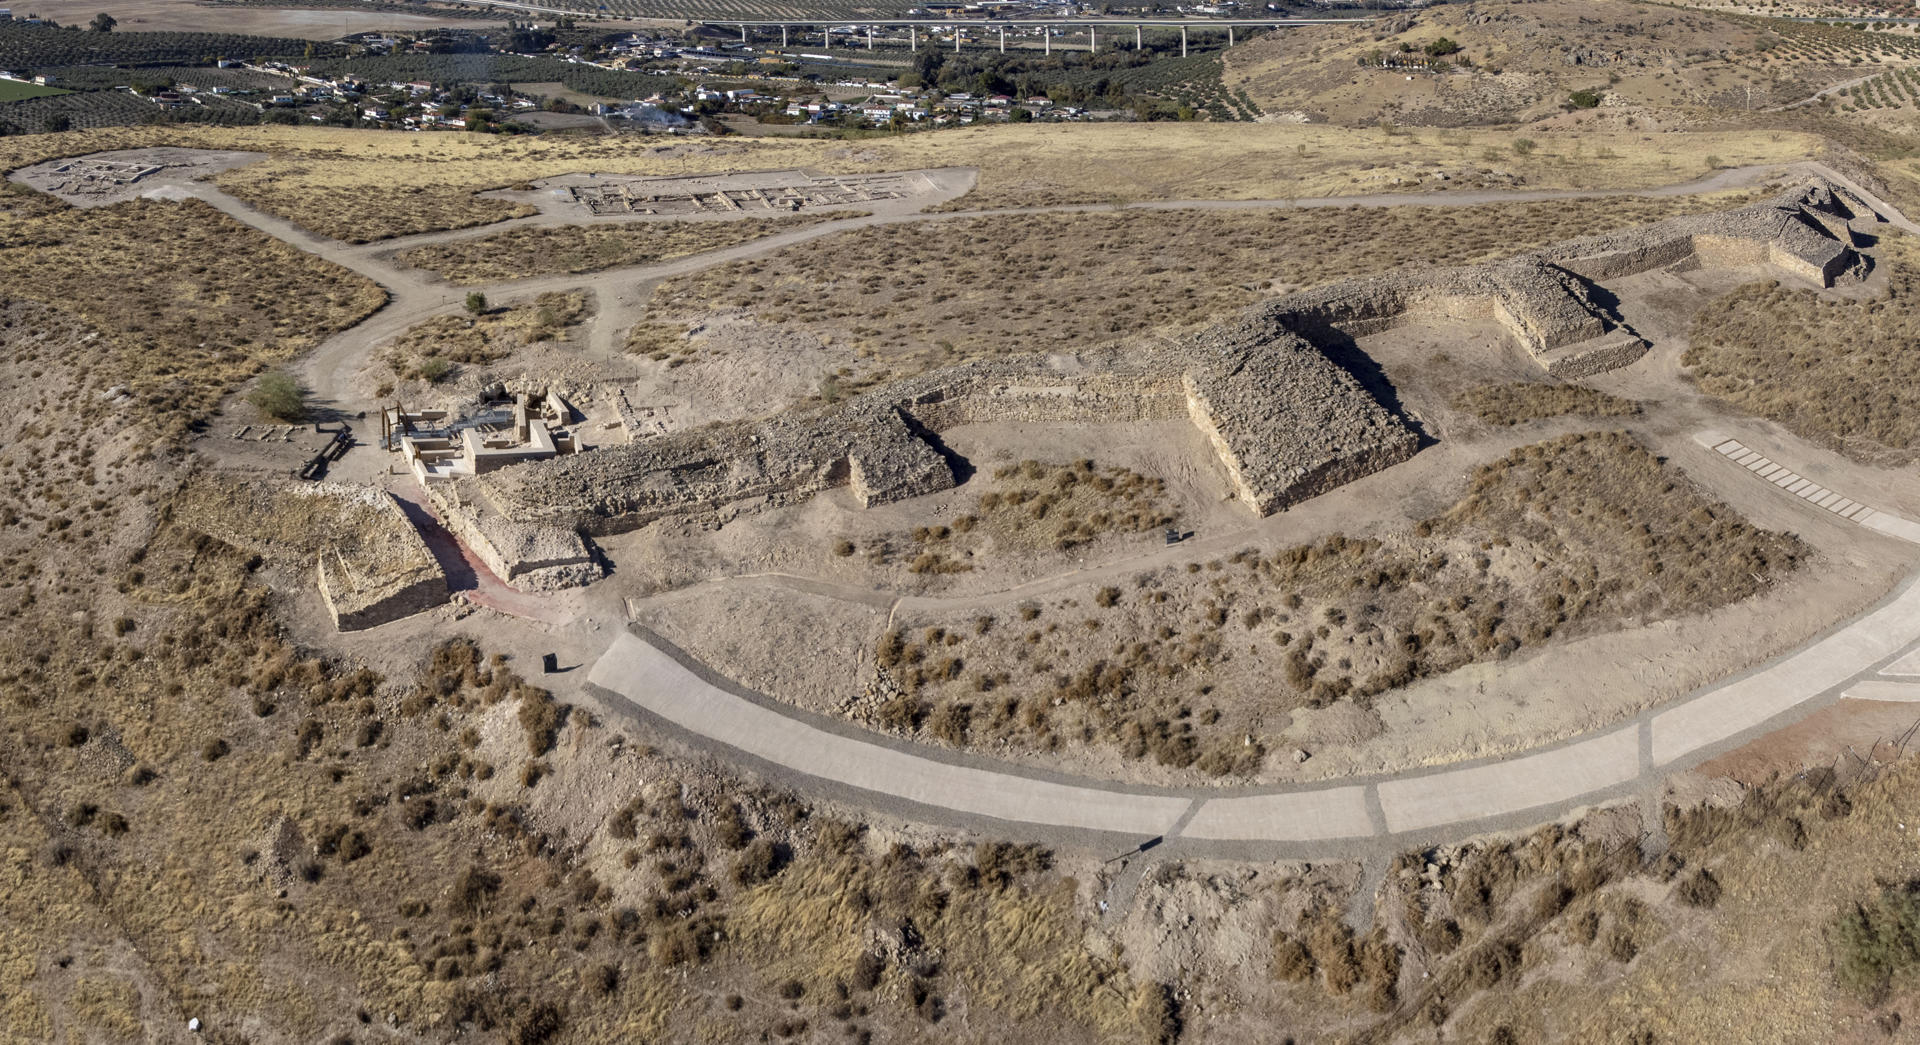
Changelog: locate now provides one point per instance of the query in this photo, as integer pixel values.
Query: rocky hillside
(1479, 63)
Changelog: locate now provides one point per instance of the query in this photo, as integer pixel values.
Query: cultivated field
(16, 90)
(317, 20)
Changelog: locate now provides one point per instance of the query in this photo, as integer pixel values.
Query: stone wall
(363, 595)
(1285, 421)
(1543, 300)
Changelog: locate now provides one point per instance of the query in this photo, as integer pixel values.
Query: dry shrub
(1292, 961)
(1833, 371)
(366, 211)
(1517, 403)
(1564, 537)
(1157, 1009)
(1700, 889)
(1877, 939)
(540, 718)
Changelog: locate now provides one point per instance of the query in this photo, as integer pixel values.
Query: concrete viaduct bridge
(850, 29)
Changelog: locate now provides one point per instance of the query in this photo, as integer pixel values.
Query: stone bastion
(1544, 299)
(370, 562)
(1285, 421)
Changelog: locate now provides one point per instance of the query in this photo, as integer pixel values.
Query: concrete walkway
(641, 672)
(1792, 482)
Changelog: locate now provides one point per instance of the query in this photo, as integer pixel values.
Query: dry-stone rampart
(1542, 298)
(1285, 421)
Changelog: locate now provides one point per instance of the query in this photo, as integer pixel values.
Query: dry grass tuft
(184, 302)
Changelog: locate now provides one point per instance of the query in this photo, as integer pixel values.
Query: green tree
(1584, 99)
(1441, 48)
(103, 23)
(476, 303)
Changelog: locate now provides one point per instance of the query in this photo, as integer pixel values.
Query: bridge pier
(1136, 38)
(743, 33)
(1183, 41)
(913, 39)
(826, 38)
(1046, 36)
(783, 36)
(1229, 36)
(1093, 40)
(956, 39)
(869, 38)
(1003, 39)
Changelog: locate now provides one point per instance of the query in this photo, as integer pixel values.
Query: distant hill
(1513, 60)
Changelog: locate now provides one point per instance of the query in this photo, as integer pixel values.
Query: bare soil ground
(217, 809)
(435, 350)
(1023, 166)
(1207, 664)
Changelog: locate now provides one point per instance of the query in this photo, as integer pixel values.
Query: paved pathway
(1790, 481)
(642, 672)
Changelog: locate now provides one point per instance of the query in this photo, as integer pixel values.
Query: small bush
(280, 397)
(867, 970)
(760, 862)
(472, 890)
(1292, 962)
(1877, 940)
(1701, 889)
